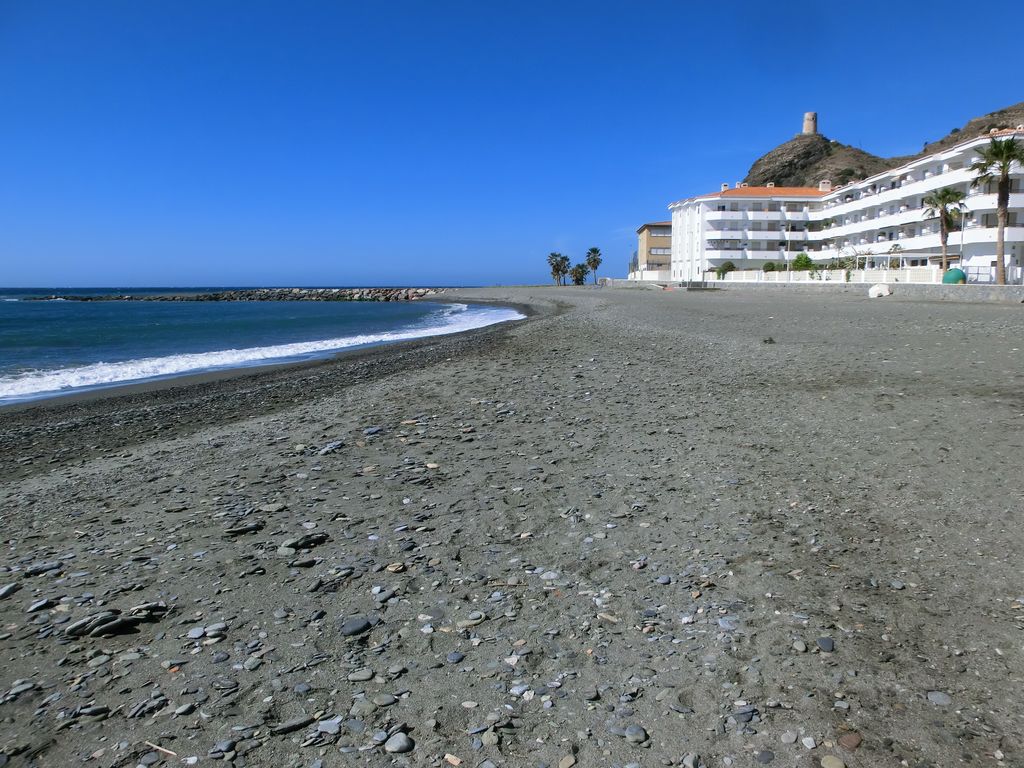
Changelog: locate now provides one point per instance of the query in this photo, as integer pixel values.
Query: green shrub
(803, 263)
(724, 269)
(769, 267)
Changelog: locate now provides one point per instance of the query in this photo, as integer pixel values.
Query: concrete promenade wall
(1013, 294)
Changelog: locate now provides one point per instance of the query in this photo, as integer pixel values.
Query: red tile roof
(769, 192)
(758, 192)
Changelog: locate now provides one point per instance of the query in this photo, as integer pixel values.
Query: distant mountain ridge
(810, 158)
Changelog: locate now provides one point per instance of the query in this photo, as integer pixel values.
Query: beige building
(653, 251)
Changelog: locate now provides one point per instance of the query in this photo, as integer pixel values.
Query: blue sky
(341, 143)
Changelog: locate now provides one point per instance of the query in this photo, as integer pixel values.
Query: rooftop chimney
(824, 185)
(739, 184)
(724, 187)
(770, 185)
(810, 123)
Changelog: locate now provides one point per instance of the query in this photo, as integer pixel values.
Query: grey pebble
(8, 589)
(292, 725)
(331, 726)
(355, 626)
(399, 743)
(635, 734)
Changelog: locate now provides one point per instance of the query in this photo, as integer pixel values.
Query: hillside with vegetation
(808, 159)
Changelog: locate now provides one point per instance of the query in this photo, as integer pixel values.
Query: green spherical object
(954, 276)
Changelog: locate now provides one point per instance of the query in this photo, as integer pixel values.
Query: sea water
(49, 348)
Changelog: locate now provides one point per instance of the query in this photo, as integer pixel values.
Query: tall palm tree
(552, 262)
(994, 166)
(559, 265)
(593, 261)
(940, 204)
(563, 268)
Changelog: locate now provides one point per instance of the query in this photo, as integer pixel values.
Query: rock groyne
(264, 294)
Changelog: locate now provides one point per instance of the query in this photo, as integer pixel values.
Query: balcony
(957, 177)
(743, 235)
(927, 241)
(722, 254)
(757, 216)
(987, 203)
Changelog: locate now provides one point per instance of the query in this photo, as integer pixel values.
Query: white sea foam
(453, 318)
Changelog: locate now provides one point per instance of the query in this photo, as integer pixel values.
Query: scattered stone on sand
(612, 535)
(850, 741)
(635, 734)
(355, 625)
(399, 743)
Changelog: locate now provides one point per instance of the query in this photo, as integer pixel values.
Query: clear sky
(337, 143)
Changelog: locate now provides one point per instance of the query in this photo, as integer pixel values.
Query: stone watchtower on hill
(809, 157)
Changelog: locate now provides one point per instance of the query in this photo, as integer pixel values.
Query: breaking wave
(27, 385)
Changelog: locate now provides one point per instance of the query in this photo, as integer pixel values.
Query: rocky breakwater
(264, 294)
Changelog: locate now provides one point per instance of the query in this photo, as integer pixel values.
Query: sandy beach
(638, 528)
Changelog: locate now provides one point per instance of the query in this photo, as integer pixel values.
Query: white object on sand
(877, 291)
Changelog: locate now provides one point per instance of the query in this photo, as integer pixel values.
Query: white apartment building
(748, 226)
(879, 219)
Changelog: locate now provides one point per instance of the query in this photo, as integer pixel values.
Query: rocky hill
(807, 159)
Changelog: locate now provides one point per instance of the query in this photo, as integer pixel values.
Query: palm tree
(593, 261)
(579, 274)
(994, 165)
(940, 204)
(552, 264)
(563, 267)
(559, 265)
